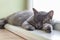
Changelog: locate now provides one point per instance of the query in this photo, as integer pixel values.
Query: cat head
(42, 17)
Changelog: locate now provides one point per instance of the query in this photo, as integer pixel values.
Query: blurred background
(8, 7)
(47, 5)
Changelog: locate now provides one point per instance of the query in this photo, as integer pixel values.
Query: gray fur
(30, 20)
(19, 17)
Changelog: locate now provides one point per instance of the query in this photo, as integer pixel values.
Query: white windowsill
(31, 35)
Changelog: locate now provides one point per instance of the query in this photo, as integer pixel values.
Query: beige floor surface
(6, 35)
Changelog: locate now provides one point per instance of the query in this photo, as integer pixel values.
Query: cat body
(19, 17)
(30, 20)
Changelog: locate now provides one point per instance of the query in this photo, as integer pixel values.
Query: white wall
(47, 5)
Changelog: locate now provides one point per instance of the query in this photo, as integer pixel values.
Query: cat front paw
(47, 28)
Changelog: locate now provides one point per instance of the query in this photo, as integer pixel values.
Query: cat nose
(39, 27)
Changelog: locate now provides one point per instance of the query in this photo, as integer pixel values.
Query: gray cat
(31, 20)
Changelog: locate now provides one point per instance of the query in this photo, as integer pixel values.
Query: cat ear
(35, 11)
(50, 13)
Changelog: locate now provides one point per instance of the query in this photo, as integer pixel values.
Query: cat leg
(28, 26)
